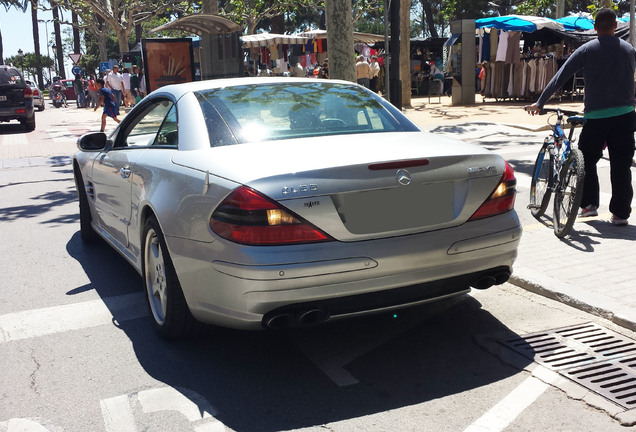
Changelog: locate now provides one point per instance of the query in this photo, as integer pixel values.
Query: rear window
(286, 110)
(11, 77)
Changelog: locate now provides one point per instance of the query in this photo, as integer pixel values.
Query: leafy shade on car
(270, 203)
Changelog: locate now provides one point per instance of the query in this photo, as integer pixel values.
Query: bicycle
(559, 168)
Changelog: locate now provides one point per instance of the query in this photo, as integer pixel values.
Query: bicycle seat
(576, 120)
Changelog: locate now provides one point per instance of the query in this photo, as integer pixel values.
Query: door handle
(125, 171)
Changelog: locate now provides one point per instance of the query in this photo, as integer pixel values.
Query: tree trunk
(278, 24)
(77, 46)
(138, 30)
(405, 51)
(1, 49)
(100, 35)
(430, 22)
(122, 39)
(210, 7)
(58, 41)
(36, 42)
(340, 39)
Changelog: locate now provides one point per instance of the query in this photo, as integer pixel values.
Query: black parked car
(16, 98)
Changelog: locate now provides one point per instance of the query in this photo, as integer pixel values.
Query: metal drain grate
(615, 380)
(589, 354)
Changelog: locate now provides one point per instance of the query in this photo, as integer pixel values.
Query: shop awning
(521, 23)
(577, 22)
(201, 24)
(358, 37)
(267, 39)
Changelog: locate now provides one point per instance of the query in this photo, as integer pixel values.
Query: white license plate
(3, 98)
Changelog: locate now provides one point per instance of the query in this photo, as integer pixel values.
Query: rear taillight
(502, 199)
(247, 217)
(28, 93)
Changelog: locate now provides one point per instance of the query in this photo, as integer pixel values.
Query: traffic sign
(76, 70)
(75, 58)
(104, 66)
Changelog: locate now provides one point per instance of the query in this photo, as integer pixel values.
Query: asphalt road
(78, 353)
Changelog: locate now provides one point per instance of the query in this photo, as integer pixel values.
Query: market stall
(513, 67)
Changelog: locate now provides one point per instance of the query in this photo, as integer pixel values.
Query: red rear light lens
(28, 93)
(247, 217)
(502, 198)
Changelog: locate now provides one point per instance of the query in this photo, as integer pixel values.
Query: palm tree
(36, 41)
(58, 39)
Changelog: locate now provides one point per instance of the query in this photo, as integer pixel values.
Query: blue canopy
(520, 23)
(576, 22)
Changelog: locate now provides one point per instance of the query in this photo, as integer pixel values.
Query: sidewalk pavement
(593, 269)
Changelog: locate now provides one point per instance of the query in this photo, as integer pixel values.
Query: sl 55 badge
(482, 171)
(291, 190)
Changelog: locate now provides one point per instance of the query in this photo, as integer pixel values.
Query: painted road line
(58, 319)
(118, 416)
(14, 140)
(504, 413)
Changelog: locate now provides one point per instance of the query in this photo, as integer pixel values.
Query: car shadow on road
(11, 128)
(295, 378)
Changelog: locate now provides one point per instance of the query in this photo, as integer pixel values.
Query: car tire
(29, 124)
(87, 232)
(41, 107)
(168, 307)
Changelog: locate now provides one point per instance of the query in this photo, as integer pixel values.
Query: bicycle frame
(562, 145)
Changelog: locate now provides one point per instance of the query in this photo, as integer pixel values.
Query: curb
(563, 292)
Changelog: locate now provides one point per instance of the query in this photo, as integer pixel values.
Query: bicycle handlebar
(559, 110)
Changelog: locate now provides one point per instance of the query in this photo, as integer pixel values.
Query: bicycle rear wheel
(542, 182)
(568, 193)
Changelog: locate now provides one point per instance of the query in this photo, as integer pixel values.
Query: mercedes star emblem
(403, 177)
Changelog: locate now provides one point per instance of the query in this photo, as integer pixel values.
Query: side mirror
(92, 141)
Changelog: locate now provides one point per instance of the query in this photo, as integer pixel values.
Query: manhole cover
(589, 354)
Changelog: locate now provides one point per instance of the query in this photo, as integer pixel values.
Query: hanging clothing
(513, 53)
(494, 38)
(502, 46)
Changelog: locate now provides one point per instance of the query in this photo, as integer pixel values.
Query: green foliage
(30, 63)
(544, 8)
(600, 4)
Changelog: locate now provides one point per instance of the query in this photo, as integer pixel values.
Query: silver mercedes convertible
(258, 203)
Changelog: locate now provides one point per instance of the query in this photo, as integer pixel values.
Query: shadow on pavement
(272, 380)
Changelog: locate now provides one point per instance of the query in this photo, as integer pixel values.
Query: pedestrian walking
(93, 93)
(126, 95)
(374, 68)
(80, 95)
(363, 71)
(608, 65)
(134, 85)
(108, 99)
(115, 82)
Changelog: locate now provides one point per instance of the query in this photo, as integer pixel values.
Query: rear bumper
(249, 284)
(7, 114)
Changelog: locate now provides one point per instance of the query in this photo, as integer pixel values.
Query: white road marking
(57, 319)
(170, 399)
(14, 140)
(504, 413)
(117, 413)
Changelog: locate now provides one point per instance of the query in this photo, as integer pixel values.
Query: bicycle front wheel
(568, 193)
(542, 182)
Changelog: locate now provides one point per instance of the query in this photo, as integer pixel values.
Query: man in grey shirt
(608, 65)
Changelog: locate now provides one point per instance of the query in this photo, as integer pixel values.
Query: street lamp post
(21, 54)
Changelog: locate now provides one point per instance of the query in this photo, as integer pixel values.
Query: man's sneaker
(618, 221)
(588, 211)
